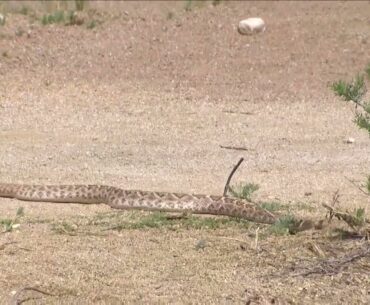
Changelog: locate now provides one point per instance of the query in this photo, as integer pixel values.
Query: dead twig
(357, 103)
(230, 176)
(256, 239)
(239, 112)
(234, 147)
(335, 199)
(16, 301)
(334, 266)
(358, 222)
(2, 246)
(316, 249)
(354, 222)
(358, 187)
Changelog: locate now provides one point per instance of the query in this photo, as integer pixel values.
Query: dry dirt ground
(145, 100)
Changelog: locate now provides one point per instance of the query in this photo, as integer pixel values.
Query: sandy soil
(145, 100)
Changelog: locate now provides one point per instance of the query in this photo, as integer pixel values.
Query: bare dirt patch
(145, 100)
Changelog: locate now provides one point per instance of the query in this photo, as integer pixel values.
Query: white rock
(2, 19)
(350, 140)
(251, 26)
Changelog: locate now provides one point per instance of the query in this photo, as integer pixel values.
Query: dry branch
(357, 222)
(16, 298)
(231, 175)
(233, 147)
(358, 187)
(354, 222)
(239, 112)
(329, 267)
(334, 266)
(335, 199)
(2, 246)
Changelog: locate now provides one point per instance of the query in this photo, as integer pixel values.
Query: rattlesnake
(118, 198)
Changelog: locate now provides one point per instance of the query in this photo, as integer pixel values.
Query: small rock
(2, 19)
(201, 244)
(19, 32)
(78, 18)
(251, 26)
(350, 141)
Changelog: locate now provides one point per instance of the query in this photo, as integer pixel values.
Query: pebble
(251, 26)
(2, 19)
(350, 141)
